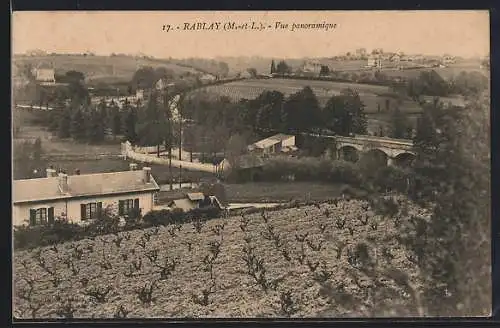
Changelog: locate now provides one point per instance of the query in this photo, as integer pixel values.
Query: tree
(27, 160)
(129, 123)
(115, 120)
(235, 147)
(252, 71)
(469, 83)
(325, 70)
(283, 68)
(273, 67)
(74, 77)
(164, 73)
(223, 69)
(399, 125)
(152, 126)
(457, 281)
(301, 112)
(144, 78)
(77, 125)
(94, 127)
(269, 111)
(64, 123)
(428, 83)
(344, 114)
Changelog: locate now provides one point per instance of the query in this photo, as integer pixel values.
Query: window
(126, 205)
(90, 210)
(43, 215)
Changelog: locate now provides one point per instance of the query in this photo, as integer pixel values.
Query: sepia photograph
(250, 164)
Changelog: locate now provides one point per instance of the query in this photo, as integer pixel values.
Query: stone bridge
(392, 151)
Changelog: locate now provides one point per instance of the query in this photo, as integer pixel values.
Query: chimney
(147, 174)
(50, 173)
(63, 182)
(133, 166)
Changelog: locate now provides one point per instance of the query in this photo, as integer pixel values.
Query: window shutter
(120, 207)
(32, 217)
(82, 211)
(136, 203)
(50, 215)
(99, 209)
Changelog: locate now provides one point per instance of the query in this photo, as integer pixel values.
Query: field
(267, 192)
(281, 191)
(371, 95)
(101, 68)
(445, 72)
(335, 259)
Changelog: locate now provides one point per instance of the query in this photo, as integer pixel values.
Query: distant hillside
(107, 69)
(263, 65)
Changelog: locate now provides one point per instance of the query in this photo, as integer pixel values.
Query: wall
(128, 152)
(148, 149)
(21, 212)
(289, 142)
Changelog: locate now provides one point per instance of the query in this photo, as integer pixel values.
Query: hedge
(26, 237)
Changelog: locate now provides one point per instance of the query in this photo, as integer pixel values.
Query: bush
(392, 178)
(157, 218)
(133, 219)
(60, 231)
(311, 169)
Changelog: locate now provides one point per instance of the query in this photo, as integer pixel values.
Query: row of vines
(331, 259)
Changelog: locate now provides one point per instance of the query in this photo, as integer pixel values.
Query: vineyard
(339, 258)
(371, 95)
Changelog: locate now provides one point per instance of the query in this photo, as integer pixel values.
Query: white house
(311, 67)
(374, 61)
(46, 75)
(207, 78)
(162, 84)
(275, 144)
(79, 198)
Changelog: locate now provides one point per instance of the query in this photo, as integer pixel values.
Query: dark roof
(31, 190)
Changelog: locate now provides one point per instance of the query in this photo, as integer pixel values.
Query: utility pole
(179, 111)
(168, 140)
(180, 176)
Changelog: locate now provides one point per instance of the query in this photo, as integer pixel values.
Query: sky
(459, 33)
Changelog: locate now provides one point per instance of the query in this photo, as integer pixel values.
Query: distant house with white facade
(311, 67)
(81, 198)
(45, 75)
(374, 61)
(275, 144)
(207, 78)
(448, 59)
(162, 84)
(139, 94)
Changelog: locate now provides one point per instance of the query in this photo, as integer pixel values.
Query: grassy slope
(100, 68)
(236, 294)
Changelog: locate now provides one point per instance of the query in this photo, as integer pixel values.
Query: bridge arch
(349, 153)
(405, 159)
(376, 157)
